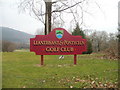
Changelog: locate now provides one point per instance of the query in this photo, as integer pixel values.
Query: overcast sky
(104, 19)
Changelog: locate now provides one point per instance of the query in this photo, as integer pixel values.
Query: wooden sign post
(75, 59)
(42, 59)
(58, 42)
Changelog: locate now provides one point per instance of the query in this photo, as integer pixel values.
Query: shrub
(8, 46)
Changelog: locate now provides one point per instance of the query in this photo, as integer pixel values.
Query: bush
(8, 46)
(89, 47)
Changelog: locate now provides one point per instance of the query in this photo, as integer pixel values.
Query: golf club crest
(59, 34)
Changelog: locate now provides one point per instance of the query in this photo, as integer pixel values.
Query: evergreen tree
(89, 47)
(78, 32)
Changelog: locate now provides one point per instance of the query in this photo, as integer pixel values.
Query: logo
(59, 34)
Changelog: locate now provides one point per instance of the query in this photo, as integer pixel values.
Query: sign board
(58, 42)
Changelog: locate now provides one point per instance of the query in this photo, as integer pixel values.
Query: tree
(118, 36)
(105, 43)
(57, 9)
(8, 46)
(99, 40)
(112, 49)
(79, 32)
(89, 47)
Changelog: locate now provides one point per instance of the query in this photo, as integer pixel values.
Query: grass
(20, 70)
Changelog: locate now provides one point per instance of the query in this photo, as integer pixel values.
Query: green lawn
(20, 70)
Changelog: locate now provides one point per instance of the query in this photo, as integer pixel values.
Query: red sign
(57, 42)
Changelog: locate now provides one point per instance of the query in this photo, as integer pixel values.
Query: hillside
(13, 35)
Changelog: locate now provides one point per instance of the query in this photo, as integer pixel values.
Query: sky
(104, 18)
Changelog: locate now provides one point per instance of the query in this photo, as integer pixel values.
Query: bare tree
(118, 41)
(8, 46)
(106, 43)
(74, 9)
(99, 40)
(113, 45)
